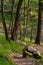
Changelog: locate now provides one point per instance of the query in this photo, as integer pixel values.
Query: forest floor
(5, 49)
(12, 53)
(17, 57)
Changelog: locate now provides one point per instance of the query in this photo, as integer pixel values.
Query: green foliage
(42, 56)
(6, 48)
(38, 62)
(3, 61)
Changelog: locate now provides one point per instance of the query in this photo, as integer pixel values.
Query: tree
(12, 18)
(3, 20)
(37, 41)
(17, 20)
(26, 18)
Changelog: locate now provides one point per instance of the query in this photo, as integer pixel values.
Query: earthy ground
(17, 57)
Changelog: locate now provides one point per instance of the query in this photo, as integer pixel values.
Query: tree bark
(3, 20)
(12, 18)
(17, 20)
(37, 41)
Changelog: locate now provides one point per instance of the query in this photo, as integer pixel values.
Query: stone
(34, 52)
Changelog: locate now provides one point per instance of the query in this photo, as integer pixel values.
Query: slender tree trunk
(26, 19)
(37, 41)
(3, 20)
(12, 18)
(12, 15)
(17, 20)
(24, 29)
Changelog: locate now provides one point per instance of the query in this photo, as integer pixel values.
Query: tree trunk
(37, 41)
(17, 20)
(12, 18)
(26, 15)
(3, 20)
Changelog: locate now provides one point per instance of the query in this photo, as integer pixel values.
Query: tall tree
(3, 20)
(37, 41)
(17, 20)
(26, 15)
(12, 18)
(24, 29)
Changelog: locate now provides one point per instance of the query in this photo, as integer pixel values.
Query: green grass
(6, 48)
(3, 61)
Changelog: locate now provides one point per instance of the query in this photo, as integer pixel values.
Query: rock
(34, 52)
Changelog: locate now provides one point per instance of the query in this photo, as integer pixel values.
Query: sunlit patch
(1, 34)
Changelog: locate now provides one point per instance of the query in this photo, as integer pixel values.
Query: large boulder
(34, 52)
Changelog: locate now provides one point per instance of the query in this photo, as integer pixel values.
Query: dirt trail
(17, 58)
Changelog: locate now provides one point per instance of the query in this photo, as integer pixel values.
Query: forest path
(19, 60)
